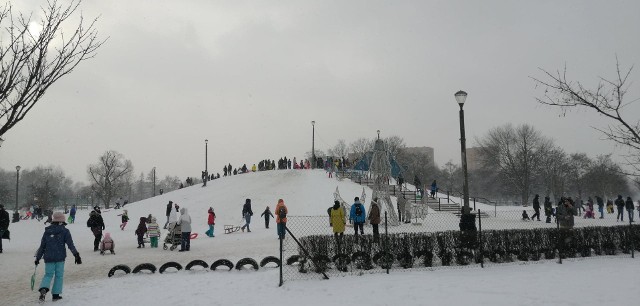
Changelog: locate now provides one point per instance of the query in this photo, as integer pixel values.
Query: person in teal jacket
(358, 216)
(52, 249)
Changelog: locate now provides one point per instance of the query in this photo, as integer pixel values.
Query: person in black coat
(4, 223)
(169, 206)
(266, 214)
(536, 207)
(620, 205)
(629, 206)
(96, 223)
(548, 209)
(246, 214)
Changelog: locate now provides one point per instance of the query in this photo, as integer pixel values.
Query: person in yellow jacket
(337, 220)
(253, 168)
(281, 218)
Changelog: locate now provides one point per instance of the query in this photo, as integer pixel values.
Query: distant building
(422, 150)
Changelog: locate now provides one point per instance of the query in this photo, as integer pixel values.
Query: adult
(173, 214)
(211, 221)
(246, 214)
(536, 207)
(565, 213)
(338, 223)
(620, 205)
(357, 215)
(629, 206)
(4, 224)
(96, 223)
(72, 214)
(281, 218)
(185, 229)
(52, 249)
(401, 204)
(548, 209)
(579, 205)
(267, 215)
(600, 206)
(168, 213)
(374, 219)
(434, 189)
(407, 212)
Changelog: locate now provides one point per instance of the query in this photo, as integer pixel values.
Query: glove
(37, 262)
(78, 259)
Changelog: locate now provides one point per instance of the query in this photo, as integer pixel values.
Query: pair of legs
(281, 229)
(185, 242)
(123, 225)
(209, 232)
(1, 233)
(357, 225)
(246, 225)
(601, 210)
(154, 242)
(620, 215)
(166, 223)
(376, 234)
(140, 241)
(537, 214)
(96, 241)
(266, 222)
(52, 271)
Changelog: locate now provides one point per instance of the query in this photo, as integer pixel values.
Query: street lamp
(17, 180)
(206, 171)
(313, 142)
(378, 134)
(154, 181)
(461, 96)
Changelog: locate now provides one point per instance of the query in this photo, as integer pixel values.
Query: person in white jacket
(185, 226)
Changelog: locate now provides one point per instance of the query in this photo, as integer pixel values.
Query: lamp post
(313, 142)
(17, 181)
(154, 181)
(206, 171)
(378, 134)
(461, 96)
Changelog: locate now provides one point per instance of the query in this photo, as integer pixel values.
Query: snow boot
(43, 293)
(56, 297)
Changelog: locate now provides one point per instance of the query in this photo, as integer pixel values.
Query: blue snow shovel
(33, 278)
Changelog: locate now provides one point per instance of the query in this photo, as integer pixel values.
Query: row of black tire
(362, 260)
(200, 263)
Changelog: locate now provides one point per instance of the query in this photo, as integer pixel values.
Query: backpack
(282, 212)
(359, 210)
(90, 222)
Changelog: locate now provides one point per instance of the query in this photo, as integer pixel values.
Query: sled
(228, 229)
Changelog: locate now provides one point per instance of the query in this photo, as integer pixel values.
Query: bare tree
(109, 176)
(360, 147)
(451, 177)
(517, 153)
(339, 150)
(394, 144)
(33, 60)
(606, 99)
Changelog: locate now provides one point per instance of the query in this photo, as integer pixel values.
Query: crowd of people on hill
(581, 209)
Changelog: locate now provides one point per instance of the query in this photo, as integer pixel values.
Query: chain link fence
(433, 239)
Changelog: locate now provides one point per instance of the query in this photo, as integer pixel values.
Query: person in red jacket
(281, 218)
(211, 221)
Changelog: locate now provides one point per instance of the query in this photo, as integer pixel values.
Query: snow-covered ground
(306, 192)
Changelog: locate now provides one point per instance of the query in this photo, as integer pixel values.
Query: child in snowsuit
(525, 216)
(266, 214)
(52, 249)
(125, 219)
(107, 244)
(140, 231)
(153, 230)
(211, 221)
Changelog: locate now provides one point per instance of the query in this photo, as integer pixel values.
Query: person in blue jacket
(52, 248)
(358, 216)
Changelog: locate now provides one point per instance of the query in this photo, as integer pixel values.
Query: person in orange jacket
(281, 218)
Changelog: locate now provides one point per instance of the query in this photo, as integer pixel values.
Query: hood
(183, 211)
(54, 229)
(107, 236)
(143, 220)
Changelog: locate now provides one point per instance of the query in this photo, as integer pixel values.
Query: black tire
(247, 261)
(383, 259)
(171, 264)
(268, 260)
(293, 259)
(123, 268)
(320, 263)
(362, 260)
(144, 266)
(197, 262)
(342, 262)
(405, 259)
(222, 262)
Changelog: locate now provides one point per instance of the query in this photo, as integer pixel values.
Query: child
(154, 232)
(107, 244)
(588, 213)
(525, 216)
(211, 221)
(52, 250)
(266, 214)
(140, 231)
(125, 219)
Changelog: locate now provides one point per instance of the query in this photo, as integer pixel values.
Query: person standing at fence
(267, 215)
(402, 202)
(281, 218)
(600, 206)
(548, 209)
(620, 205)
(168, 213)
(374, 219)
(246, 214)
(629, 206)
(337, 219)
(357, 214)
(536, 207)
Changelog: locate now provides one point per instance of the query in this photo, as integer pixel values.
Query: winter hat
(1, 206)
(153, 219)
(58, 217)
(107, 236)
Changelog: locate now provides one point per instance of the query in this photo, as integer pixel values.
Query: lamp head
(461, 96)
(17, 168)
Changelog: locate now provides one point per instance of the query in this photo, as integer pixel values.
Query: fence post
(386, 236)
(439, 209)
(447, 196)
(474, 203)
(480, 253)
(281, 261)
(559, 240)
(495, 209)
(631, 234)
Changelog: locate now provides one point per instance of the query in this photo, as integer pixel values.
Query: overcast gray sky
(250, 76)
